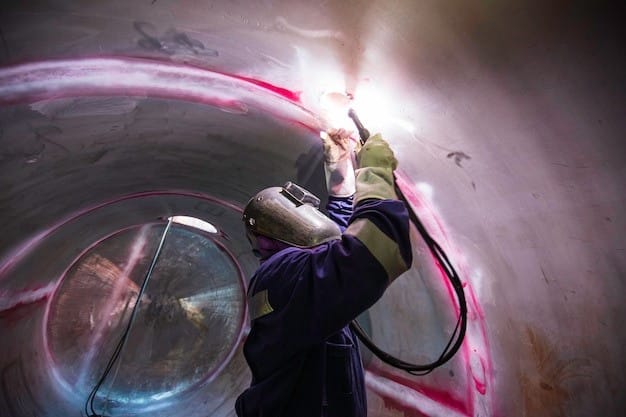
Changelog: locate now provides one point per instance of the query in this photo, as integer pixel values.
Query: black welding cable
(458, 334)
(120, 345)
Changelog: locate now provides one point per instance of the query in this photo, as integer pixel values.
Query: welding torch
(442, 259)
(364, 134)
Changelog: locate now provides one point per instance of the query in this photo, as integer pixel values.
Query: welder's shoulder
(277, 272)
(275, 281)
(382, 226)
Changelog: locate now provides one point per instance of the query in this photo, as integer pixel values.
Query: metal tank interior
(507, 118)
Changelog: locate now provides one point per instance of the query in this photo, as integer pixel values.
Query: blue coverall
(305, 360)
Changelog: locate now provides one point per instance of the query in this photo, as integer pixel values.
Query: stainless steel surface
(189, 319)
(507, 121)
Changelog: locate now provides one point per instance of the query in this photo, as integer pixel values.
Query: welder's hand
(339, 160)
(377, 153)
(374, 178)
(339, 144)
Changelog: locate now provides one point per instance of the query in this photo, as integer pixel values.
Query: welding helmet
(289, 214)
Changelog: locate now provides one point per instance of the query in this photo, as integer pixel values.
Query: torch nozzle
(364, 134)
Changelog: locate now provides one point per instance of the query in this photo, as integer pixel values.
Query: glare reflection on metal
(425, 189)
(194, 222)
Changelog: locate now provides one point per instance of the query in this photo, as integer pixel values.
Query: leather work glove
(374, 178)
(339, 161)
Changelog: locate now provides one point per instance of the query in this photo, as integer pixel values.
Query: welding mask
(289, 214)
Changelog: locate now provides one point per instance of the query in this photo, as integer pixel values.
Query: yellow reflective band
(259, 305)
(384, 249)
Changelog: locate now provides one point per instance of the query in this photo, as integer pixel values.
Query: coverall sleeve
(313, 293)
(303, 296)
(340, 210)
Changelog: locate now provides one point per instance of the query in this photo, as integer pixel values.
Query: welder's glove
(374, 177)
(339, 160)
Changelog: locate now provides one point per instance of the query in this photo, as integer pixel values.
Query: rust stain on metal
(544, 386)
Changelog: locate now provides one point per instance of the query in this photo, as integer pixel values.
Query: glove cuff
(376, 153)
(340, 181)
(374, 183)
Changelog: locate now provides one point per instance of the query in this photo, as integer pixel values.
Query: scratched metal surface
(188, 320)
(506, 117)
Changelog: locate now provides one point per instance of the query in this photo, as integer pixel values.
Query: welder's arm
(375, 181)
(374, 177)
(315, 294)
(348, 276)
(305, 296)
(376, 243)
(339, 159)
(339, 162)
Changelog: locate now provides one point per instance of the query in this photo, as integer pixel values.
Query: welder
(317, 274)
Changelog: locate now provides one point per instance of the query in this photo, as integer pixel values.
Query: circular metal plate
(188, 320)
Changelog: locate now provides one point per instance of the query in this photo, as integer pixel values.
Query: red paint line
(393, 404)
(19, 305)
(283, 92)
(477, 363)
(481, 386)
(25, 296)
(437, 395)
(19, 311)
(154, 78)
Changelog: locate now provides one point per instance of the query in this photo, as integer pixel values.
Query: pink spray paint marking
(120, 285)
(287, 94)
(12, 300)
(135, 77)
(402, 395)
(475, 352)
(450, 400)
(14, 305)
